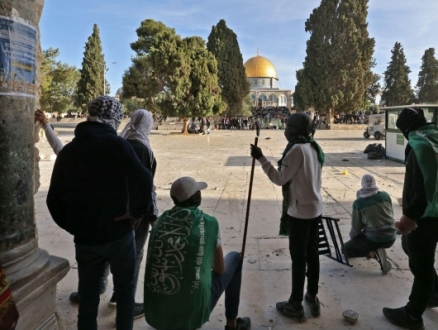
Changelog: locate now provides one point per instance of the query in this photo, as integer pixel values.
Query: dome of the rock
(258, 66)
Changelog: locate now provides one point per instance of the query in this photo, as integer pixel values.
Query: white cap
(185, 187)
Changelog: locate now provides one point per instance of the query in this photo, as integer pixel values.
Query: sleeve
(139, 183)
(53, 140)
(291, 163)
(219, 239)
(418, 202)
(356, 222)
(55, 200)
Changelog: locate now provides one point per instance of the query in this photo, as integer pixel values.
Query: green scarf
(285, 187)
(424, 142)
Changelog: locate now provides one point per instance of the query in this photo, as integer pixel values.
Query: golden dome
(259, 66)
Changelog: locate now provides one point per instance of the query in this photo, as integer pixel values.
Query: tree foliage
(177, 76)
(337, 69)
(397, 85)
(222, 42)
(90, 84)
(58, 83)
(428, 78)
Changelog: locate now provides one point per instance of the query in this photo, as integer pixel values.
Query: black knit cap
(410, 119)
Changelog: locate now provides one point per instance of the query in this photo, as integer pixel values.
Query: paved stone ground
(222, 159)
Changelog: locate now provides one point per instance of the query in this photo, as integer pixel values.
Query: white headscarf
(139, 127)
(369, 187)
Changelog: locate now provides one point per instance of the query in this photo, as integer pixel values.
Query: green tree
(91, 83)
(58, 83)
(427, 84)
(337, 68)
(222, 42)
(132, 104)
(140, 79)
(373, 89)
(182, 72)
(397, 85)
(247, 105)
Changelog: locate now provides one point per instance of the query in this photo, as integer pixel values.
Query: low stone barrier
(352, 127)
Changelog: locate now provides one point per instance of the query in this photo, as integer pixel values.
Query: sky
(274, 27)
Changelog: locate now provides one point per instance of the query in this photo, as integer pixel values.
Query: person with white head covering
(372, 224)
(136, 132)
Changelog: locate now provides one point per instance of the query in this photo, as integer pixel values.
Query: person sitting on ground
(186, 272)
(372, 224)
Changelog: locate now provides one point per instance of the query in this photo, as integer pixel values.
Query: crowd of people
(102, 193)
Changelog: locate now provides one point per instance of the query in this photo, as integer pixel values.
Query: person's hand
(256, 152)
(405, 225)
(41, 117)
(134, 221)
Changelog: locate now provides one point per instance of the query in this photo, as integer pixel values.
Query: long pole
(251, 179)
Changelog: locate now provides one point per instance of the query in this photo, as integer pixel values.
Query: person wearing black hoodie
(419, 222)
(98, 192)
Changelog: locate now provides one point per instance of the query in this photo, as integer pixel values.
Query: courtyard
(222, 160)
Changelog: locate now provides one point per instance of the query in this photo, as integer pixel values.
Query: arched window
(282, 100)
(272, 98)
(263, 97)
(253, 97)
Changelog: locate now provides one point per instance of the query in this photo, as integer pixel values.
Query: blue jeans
(230, 282)
(141, 236)
(91, 263)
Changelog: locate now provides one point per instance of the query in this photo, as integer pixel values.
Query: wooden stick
(251, 178)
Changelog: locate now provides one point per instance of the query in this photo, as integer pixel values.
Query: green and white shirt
(178, 269)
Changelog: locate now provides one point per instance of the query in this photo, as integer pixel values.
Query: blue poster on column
(18, 41)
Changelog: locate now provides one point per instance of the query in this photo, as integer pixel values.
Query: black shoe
(382, 258)
(74, 297)
(433, 302)
(400, 317)
(113, 303)
(138, 310)
(315, 305)
(288, 310)
(243, 323)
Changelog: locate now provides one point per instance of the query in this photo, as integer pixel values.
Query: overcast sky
(275, 27)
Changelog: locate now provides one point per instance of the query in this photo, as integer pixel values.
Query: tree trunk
(330, 116)
(185, 129)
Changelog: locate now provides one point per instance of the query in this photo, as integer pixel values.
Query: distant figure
(372, 224)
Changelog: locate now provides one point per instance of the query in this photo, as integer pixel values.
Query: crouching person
(186, 272)
(372, 224)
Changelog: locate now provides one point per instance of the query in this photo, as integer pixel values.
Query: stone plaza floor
(222, 160)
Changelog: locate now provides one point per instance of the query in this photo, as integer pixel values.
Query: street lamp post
(104, 71)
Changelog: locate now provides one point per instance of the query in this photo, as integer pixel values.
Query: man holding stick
(299, 174)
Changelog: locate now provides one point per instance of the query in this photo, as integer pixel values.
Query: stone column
(32, 272)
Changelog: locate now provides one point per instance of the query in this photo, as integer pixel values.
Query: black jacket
(98, 177)
(414, 193)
